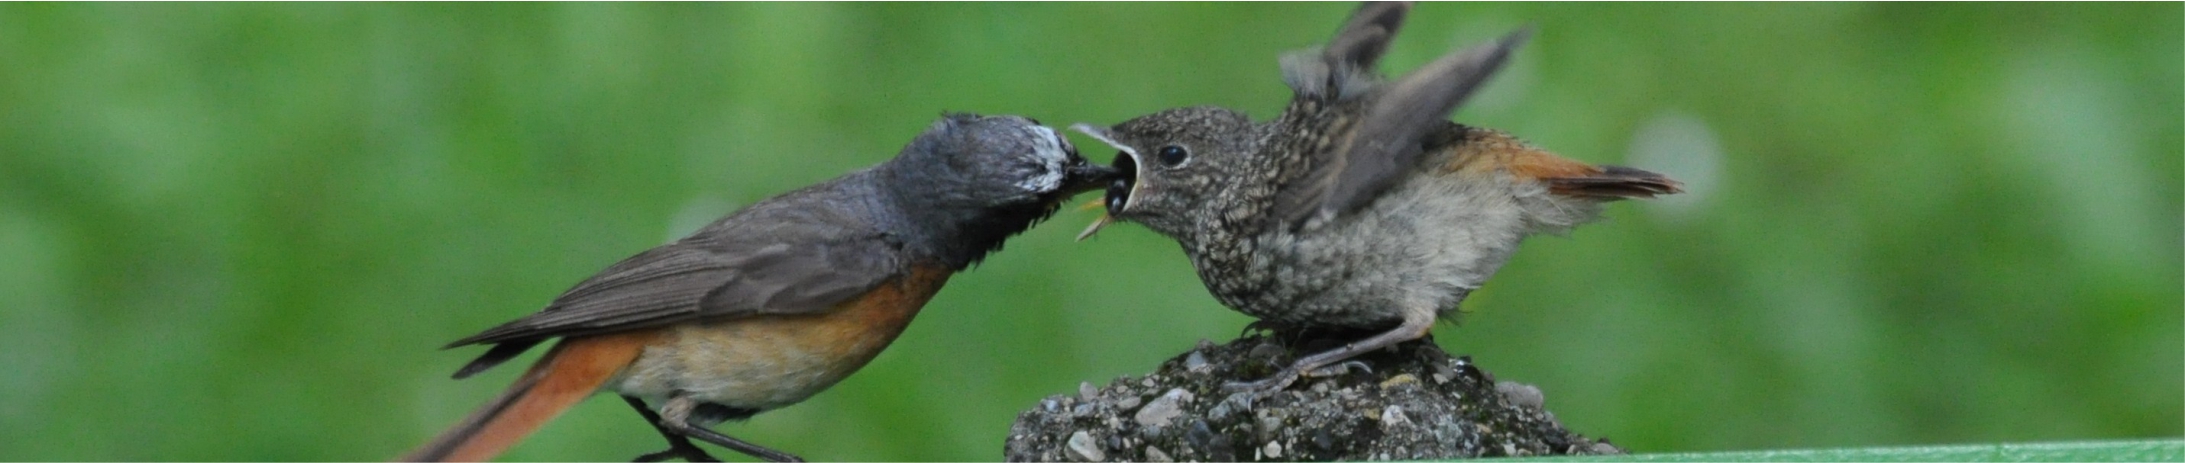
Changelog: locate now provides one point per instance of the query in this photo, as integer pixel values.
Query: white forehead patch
(1047, 150)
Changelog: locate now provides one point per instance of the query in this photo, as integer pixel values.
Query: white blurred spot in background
(1684, 148)
(2069, 127)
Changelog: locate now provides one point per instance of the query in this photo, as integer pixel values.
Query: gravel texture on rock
(1412, 401)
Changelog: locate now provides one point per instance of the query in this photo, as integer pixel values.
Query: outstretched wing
(1344, 66)
(1386, 141)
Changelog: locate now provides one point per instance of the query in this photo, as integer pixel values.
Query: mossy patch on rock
(1412, 401)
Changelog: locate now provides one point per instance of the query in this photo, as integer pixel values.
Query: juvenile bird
(778, 301)
(1361, 206)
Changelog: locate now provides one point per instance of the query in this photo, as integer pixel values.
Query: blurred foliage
(239, 231)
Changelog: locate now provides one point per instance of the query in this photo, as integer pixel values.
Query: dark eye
(1172, 155)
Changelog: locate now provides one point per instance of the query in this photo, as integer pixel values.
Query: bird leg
(675, 416)
(1415, 326)
(678, 445)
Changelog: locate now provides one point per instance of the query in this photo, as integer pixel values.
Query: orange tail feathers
(1488, 150)
(572, 371)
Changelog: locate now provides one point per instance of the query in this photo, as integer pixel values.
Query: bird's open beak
(1124, 185)
(1078, 176)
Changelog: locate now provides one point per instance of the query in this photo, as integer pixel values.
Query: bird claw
(1284, 378)
(1276, 382)
(1339, 369)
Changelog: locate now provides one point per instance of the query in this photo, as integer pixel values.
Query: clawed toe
(1271, 383)
(1289, 375)
(1340, 369)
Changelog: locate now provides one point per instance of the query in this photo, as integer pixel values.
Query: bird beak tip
(1095, 227)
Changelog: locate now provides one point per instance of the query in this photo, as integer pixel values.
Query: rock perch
(1416, 402)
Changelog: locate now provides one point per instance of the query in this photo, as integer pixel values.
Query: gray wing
(1386, 141)
(1325, 80)
(1345, 65)
(690, 280)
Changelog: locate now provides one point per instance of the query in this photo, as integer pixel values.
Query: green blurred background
(239, 231)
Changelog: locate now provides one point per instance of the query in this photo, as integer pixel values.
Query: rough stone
(1164, 408)
(1394, 416)
(1417, 402)
(1128, 403)
(1524, 395)
(1155, 455)
(1084, 448)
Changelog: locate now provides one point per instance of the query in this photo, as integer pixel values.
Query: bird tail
(568, 373)
(1613, 183)
(1480, 151)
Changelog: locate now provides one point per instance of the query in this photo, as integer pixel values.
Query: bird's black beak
(1079, 176)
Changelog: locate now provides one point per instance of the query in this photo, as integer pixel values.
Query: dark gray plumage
(951, 197)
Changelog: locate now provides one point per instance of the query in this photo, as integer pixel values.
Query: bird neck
(950, 229)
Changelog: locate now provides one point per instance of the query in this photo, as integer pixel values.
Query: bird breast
(769, 361)
(1421, 246)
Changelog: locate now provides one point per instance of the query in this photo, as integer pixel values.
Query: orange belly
(769, 361)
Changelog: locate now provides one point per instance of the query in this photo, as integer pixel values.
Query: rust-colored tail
(1488, 150)
(573, 370)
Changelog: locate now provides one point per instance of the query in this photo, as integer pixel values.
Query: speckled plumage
(1359, 206)
(1424, 244)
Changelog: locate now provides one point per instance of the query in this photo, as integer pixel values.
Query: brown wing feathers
(686, 281)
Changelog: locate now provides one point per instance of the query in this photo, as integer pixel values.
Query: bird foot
(1271, 383)
(1340, 369)
(1284, 378)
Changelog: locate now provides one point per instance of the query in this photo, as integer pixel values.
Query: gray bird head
(970, 181)
(1169, 165)
(967, 161)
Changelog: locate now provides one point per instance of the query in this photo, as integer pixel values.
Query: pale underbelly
(749, 363)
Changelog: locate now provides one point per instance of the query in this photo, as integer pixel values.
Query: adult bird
(777, 301)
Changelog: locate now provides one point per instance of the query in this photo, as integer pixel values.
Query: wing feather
(1386, 142)
(692, 280)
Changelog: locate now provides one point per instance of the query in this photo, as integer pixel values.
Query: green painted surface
(239, 231)
(2147, 450)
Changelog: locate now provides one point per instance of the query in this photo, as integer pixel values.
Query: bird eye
(1173, 155)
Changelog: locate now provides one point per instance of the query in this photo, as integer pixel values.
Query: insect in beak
(1123, 189)
(1097, 224)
